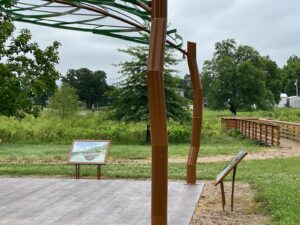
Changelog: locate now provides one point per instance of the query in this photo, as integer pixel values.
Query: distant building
(292, 101)
(283, 100)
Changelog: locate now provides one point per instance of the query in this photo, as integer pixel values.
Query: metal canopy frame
(131, 20)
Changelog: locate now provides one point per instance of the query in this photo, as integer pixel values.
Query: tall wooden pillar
(157, 109)
(197, 113)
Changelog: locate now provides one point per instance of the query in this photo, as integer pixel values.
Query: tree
(274, 77)
(64, 101)
(291, 73)
(236, 77)
(26, 71)
(131, 102)
(187, 86)
(90, 86)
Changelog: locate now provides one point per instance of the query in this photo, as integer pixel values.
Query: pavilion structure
(129, 20)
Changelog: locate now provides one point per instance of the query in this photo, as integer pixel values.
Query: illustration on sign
(90, 152)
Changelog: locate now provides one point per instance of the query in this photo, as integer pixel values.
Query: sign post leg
(76, 172)
(223, 195)
(99, 172)
(232, 191)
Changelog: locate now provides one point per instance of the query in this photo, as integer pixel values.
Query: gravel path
(209, 208)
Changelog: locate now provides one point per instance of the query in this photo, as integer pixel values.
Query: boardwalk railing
(288, 130)
(263, 131)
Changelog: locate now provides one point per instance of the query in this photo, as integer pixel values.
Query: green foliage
(284, 114)
(187, 86)
(237, 77)
(90, 85)
(131, 98)
(50, 128)
(26, 71)
(291, 73)
(64, 101)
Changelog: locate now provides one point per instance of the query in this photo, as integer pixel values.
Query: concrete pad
(31, 201)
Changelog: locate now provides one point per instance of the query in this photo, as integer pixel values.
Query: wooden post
(157, 110)
(260, 133)
(249, 128)
(278, 136)
(242, 128)
(272, 135)
(223, 195)
(197, 113)
(266, 134)
(255, 131)
(253, 134)
(232, 189)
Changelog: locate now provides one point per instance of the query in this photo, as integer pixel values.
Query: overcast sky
(270, 26)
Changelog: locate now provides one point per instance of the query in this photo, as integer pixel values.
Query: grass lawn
(57, 153)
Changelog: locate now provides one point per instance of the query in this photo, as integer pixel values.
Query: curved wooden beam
(197, 113)
(158, 117)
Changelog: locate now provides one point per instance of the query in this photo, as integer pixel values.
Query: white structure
(294, 101)
(283, 100)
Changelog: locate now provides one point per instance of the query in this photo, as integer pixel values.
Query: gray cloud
(270, 26)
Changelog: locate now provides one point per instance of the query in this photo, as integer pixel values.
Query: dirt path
(287, 149)
(209, 209)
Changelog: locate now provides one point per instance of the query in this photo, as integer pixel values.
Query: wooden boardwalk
(30, 201)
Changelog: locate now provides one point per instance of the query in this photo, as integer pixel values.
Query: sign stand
(99, 172)
(223, 195)
(232, 165)
(88, 152)
(77, 171)
(232, 190)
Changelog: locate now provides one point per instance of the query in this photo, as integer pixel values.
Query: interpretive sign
(88, 152)
(231, 165)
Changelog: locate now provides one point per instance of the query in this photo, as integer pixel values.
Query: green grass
(57, 153)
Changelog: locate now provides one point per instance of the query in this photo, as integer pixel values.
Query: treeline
(239, 77)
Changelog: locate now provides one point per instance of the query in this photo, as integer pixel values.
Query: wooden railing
(288, 130)
(262, 131)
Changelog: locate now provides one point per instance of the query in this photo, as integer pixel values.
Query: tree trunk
(148, 136)
(233, 109)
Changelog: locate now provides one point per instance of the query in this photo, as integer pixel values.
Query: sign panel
(230, 165)
(88, 152)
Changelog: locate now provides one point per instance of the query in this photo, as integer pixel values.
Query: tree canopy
(26, 71)
(131, 102)
(90, 85)
(291, 73)
(64, 101)
(239, 77)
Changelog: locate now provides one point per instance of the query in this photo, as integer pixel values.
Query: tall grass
(49, 128)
